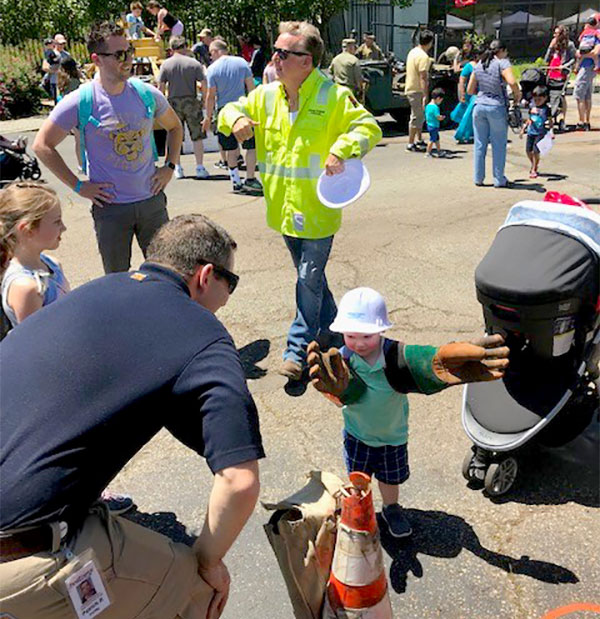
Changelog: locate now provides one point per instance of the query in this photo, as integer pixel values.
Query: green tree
(36, 19)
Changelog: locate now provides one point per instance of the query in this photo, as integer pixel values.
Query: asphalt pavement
(416, 236)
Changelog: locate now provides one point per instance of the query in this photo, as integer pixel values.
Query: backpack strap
(86, 105)
(84, 117)
(396, 368)
(145, 94)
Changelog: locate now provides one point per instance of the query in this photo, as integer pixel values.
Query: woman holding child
(560, 58)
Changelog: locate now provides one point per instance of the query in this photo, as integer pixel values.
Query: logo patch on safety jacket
(299, 222)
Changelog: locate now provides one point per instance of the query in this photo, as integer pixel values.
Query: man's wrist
(170, 165)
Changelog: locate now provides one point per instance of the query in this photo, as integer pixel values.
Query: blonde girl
(30, 223)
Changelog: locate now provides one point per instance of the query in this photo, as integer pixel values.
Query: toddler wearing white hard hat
(376, 426)
(371, 381)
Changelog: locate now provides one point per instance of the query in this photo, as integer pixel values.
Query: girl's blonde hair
(23, 201)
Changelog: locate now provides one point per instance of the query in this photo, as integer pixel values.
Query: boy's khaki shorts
(147, 575)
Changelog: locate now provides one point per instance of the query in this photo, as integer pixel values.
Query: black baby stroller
(539, 285)
(557, 89)
(16, 163)
(529, 80)
(557, 93)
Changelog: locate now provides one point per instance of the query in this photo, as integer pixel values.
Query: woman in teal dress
(463, 112)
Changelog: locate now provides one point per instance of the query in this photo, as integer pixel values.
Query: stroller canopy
(543, 253)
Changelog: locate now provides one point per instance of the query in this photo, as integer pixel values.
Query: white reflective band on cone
(358, 559)
(381, 610)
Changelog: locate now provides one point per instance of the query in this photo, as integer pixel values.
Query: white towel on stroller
(576, 221)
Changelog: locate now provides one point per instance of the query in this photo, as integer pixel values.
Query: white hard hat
(361, 310)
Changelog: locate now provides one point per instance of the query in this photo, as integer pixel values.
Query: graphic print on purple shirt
(119, 150)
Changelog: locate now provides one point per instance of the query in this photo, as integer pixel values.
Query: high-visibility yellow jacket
(292, 156)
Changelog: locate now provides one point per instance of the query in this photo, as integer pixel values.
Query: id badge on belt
(84, 583)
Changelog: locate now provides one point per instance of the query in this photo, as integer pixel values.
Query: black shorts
(229, 142)
(531, 146)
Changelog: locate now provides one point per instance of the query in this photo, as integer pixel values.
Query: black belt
(20, 544)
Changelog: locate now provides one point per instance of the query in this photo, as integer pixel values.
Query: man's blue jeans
(490, 125)
(315, 305)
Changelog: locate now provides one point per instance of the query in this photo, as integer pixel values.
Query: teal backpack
(86, 104)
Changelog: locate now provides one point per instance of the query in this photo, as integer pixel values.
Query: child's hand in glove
(470, 362)
(328, 372)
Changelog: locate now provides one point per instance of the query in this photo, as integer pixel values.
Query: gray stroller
(539, 285)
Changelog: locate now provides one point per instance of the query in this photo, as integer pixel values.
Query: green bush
(20, 90)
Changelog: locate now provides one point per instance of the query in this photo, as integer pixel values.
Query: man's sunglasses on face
(283, 54)
(121, 55)
(231, 278)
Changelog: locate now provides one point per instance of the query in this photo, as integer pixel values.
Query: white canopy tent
(456, 23)
(580, 18)
(521, 18)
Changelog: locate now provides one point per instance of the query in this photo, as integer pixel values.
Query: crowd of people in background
(200, 79)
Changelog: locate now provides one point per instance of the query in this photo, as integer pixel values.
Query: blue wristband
(78, 185)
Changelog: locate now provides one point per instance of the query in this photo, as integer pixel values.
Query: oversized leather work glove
(328, 372)
(469, 362)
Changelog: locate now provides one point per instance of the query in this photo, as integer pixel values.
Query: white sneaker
(201, 172)
(179, 172)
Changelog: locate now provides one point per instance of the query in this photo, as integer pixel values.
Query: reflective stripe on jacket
(292, 156)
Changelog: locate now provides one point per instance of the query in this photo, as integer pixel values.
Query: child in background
(433, 117)
(134, 23)
(371, 380)
(30, 222)
(536, 126)
(69, 79)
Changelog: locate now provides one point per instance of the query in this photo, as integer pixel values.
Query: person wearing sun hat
(370, 377)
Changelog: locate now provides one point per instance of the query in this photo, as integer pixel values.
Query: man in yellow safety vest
(303, 123)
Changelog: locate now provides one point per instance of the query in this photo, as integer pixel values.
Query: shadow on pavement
(551, 176)
(438, 534)
(522, 184)
(553, 476)
(391, 129)
(162, 522)
(296, 388)
(251, 354)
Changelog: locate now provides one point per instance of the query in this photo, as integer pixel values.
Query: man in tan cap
(345, 68)
(369, 50)
(200, 49)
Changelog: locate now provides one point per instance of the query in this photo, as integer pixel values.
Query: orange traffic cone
(357, 587)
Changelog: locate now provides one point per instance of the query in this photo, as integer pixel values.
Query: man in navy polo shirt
(118, 360)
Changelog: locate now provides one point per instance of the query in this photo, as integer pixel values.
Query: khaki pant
(417, 113)
(147, 575)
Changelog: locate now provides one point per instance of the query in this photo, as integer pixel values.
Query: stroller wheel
(500, 476)
(467, 466)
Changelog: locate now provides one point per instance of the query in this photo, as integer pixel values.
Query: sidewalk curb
(20, 125)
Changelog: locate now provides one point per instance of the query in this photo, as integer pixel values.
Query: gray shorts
(584, 84)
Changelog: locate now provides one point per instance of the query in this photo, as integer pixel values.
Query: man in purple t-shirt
(125, 186)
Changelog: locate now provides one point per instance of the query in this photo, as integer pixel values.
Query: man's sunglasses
(231, 278)
(121, 55)
(284, 53)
